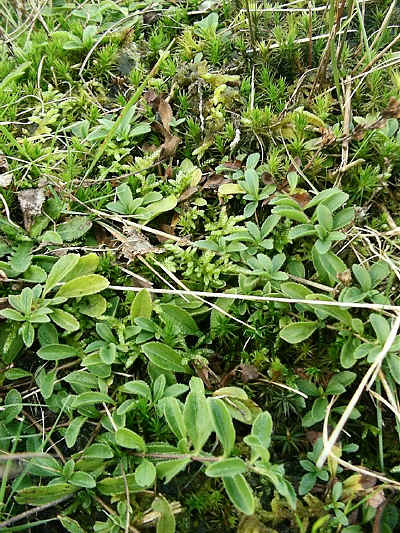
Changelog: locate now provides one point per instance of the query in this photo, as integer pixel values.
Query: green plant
(31, 307)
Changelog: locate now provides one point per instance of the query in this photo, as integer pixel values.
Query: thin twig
(369, 376)
(346, 464)
(33, 511)
(253, 298)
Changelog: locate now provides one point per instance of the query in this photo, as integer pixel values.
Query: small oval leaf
(129, 439)
(83, 286)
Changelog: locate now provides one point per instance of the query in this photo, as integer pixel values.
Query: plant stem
(33, 511)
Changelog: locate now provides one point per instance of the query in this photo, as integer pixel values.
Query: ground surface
(219, 148)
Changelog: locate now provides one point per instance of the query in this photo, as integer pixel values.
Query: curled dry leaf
(393, 109)
(345, 277)
(248, 372)
(136, 244)
(166, 115)
(5, 176)
(214, 181)
(31, 202)
(164, 111)
(188, 193)
(376, 499)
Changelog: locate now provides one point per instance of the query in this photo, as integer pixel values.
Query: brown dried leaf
(170, 145)
(166, 228)
(233, 164)
(295, 165)
(188, 193)
(30, 202)
(376, 499)
(345, 277)
(267, 178)
(367, 482)
(248, 373)
(393, 109)
(166, 115)
(137, 244)
(168, 172)
(149, 148)
(214, 181)
(150, 96)
(327, 137)
(302, 198)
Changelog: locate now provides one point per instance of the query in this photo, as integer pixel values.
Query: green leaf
(298, 331)
(82, 479)
(181, 319)
(99, 451)
(13, 374)
(164, 357)
(45, 466)
(156, 208)
(70, 525)
(167, 470)
(174, 417)
(222, 423)
(338, 383)
(59, 270)
(12, 406)
(337, 312)
(393, 361)
(55, 352)
(43, 494)
(347, 357)
(317, 412)
(324, 217)
(65, 320)
(108, 353)
(343, 218)
(137, 387)
(47, 334)
(104, 331)
(129, 439)
(291, 213)
(74, 228)
(46, 382)
(252, 182)
(240, 493)
(363, 277)
(302, 230)
(378, 272)
(73, 430)
(35, 274)
(295, 290)
(231, 392)
(307, 483)
(90, 398)
(28, 334)
(145, 473)
(197, 420)
(87, 264)
(116, 485)
(142, 306)
(328, 266)
(166, 522)
(15, 73)
(83, 286)
(381, 327)
(93, 305)
(262, 429)
(12, 314)
(230, 467)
